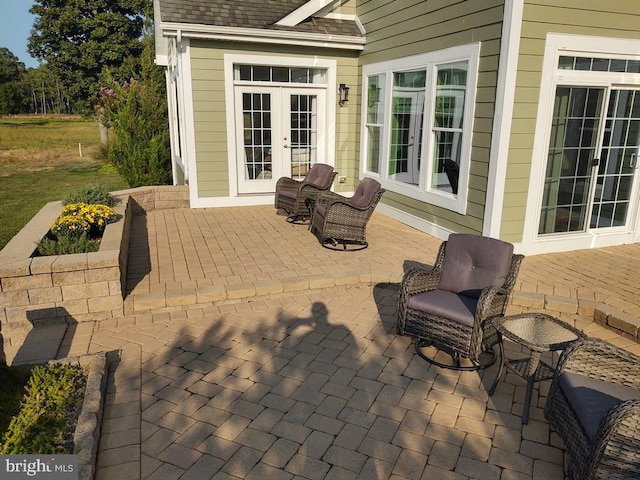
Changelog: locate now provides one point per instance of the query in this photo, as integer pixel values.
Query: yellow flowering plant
(78, 218)
(70, 226)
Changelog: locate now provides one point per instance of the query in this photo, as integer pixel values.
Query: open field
(40, 161)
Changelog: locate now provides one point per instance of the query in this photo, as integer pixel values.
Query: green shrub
(136, 112)
(49, 412)
(65, 245)
(141, 148)
(92, 194)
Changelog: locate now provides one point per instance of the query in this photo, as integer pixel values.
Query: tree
(136, 111)
(45, 91)
(12, 92)
(79, 38)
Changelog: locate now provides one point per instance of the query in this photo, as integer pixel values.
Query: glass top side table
(539, 333)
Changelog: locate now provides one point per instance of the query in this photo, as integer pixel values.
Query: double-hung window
(418, 119)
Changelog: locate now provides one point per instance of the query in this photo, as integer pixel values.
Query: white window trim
(428, 61)
(312, 62)
(579, 45)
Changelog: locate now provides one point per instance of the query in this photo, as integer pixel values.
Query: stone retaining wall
(77, 287)
(573, 309)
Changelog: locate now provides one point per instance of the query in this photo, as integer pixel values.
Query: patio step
(170, 297)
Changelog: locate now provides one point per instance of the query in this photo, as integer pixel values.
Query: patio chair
(293, 195)
(448, 306)
(342, 221)
(594, 406)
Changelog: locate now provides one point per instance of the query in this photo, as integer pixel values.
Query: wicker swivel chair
(594, 405)
(293, 195)
(342, 221)
(448, 307)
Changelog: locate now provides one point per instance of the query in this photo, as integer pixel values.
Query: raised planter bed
(69, 289)
(87, 433)
(61, 289)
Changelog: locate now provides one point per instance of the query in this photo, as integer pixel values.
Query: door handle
(633, 163)
(286, 146)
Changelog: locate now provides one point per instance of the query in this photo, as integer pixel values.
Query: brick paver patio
(301, 375)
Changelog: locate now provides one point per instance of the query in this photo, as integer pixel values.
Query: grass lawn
(40, 162)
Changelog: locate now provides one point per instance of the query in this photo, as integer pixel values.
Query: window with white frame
(418, 119)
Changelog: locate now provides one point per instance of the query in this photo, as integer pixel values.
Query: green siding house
(516, 119)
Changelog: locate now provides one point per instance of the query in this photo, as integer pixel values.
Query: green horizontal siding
(209, 110)
(207, 74)
(398, 29)
(617, 19)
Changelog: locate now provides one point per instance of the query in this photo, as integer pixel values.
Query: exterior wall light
(344, 94)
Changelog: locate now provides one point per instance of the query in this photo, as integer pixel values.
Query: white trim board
(307, 10)
(330, 119)
(503, 117)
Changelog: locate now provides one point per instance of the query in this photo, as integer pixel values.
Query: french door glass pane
(256, 114)
(304, 133)
(616, 169)
(572, 149)
(400, 135)
(406, 124)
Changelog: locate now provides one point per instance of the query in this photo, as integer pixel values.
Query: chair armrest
(492, 302)
(618, 440)
(287, 183)
(327, 197)
(311, 189)
(622, 415)
(419, 280)
(601, 360)
(333, 200)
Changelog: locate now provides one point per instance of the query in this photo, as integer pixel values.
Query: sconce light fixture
(344, 94)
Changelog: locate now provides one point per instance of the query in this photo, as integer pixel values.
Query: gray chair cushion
(363, 195)
(458, 308)
(320, 175)
(472, 263)
(591, 399)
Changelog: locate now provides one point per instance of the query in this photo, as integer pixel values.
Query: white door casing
(558, 45)
(280, 131)
(242, 192)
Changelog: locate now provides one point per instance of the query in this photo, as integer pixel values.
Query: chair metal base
(487, 358)
(347, 245)
(299, 219)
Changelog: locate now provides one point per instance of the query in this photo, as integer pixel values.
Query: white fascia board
(162, 60)
(302, 13)
(235, 34)
(161, 50)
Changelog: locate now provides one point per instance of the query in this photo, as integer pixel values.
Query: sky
(15, 27)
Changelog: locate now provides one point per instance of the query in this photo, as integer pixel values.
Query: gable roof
(254, 14)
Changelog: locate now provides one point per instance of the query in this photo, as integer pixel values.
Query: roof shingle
(259, 14)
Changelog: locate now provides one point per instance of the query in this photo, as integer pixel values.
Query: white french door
(406, 135)
(279, 132)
